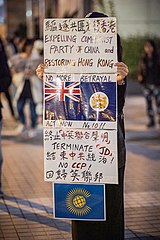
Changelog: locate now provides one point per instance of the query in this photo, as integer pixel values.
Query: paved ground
(26, 210)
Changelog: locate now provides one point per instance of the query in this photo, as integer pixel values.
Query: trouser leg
(156, 93)
(20, 107)
(33, 113)
(148, 96)
(9, 101)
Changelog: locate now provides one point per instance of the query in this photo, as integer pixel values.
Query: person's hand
(40, 70)
(122, 72)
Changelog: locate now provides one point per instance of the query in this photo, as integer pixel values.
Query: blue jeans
(1, 158)
(152, 92)
(20, 107)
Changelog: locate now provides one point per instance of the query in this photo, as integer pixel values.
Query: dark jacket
(150, 70)
(5, 77)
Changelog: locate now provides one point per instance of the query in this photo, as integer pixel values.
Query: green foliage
(133, 51)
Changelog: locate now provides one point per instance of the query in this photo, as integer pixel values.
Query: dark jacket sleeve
(5, 76)
(121, 88)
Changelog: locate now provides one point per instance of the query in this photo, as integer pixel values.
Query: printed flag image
(61, 91)
(80, 101)
(79, 201)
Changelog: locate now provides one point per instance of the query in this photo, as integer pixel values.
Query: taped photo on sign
(80, 101)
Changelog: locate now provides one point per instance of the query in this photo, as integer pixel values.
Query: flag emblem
(76, 201)
(99, 101)
(62, 90)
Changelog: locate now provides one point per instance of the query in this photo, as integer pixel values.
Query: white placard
(80, 100)
(76, 155)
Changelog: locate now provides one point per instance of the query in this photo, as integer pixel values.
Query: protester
(5, 80)
(36, 59)
(13, 44)
(113, 227)
(21, 64)
(17, 64)
(149, 77)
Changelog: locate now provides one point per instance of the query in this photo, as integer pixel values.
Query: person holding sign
(113, 227)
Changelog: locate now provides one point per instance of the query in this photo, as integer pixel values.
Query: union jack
(62, 91)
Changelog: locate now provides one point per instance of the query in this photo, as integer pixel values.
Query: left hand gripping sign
(80, 100)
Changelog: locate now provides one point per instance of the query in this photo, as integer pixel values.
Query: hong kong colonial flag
(79, 201)
(80, 101)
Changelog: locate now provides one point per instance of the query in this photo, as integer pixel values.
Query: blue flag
(79, 201)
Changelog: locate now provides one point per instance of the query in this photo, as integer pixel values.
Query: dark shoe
(151, 124)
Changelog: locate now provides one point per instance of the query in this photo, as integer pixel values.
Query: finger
(122, 72)
(39, 73)
(40, 68)
(122, 69)
(120, 80)
(41, 65)
(40, 76)
(121, 64)
(121, 76)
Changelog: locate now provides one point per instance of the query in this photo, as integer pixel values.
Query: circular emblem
(99, 101)
(79, 201)
(76, 201)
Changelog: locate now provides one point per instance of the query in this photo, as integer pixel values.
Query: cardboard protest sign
(79, 201)
(80, 100)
